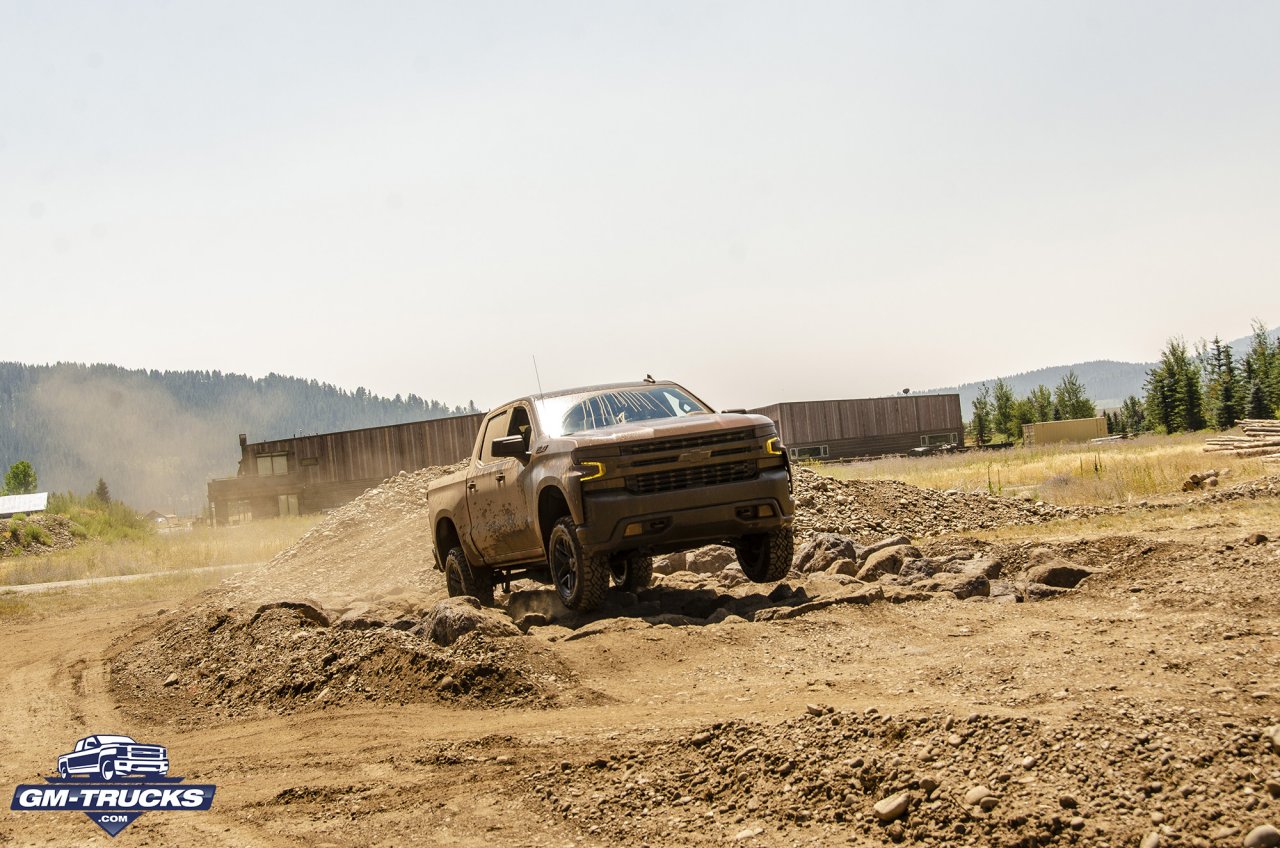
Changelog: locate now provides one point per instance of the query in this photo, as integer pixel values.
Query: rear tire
(580, 580)
(631, 572)
(461, 579)
(766, 557)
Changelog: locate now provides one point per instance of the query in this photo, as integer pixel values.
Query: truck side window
(494, 428)
(520, 425)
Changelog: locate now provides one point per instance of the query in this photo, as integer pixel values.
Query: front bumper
(688, 518)
(142, 766)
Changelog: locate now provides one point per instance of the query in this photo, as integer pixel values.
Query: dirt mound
(378, 544)
(865, 509)
(288, 657)
(37, 534)
(982, 780)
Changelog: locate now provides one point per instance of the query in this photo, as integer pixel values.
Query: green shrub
(99, 520)
(19, 517)
(32, 534)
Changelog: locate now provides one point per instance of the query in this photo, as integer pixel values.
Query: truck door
(502, 526)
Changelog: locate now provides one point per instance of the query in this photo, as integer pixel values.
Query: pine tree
(980, 425)
(1132, 417)
(1042, 400)
(102, 492)
(1222, 396)
(1261, 375)
(1071, 399)
(1002, 401)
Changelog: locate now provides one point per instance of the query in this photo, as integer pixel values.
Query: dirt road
(1135, 705)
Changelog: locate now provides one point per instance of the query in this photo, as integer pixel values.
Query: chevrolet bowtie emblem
(695, 456)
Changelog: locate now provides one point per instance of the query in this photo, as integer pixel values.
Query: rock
(1003, 588)
(919, 569)
(171, 680)
(1058, 573)
(1041, 592)
(669, 564)
(976, 794)
(824, 550)
(452, 617)
(988, 568)
(748, 833)
(892, 542)
(1271, 736)
(1151, 840)
(731, 576)
(961, 585)
(1068, 802)
(1262, 836)
(710, 560)
(843, 566)
(1256, 539)
(821, 584)
(887, 561)
(888, 809)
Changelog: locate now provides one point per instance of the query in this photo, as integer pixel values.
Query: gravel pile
(870, 509)
(1133, 774)
(290, 657)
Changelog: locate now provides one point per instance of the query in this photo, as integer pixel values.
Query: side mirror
(510, 446)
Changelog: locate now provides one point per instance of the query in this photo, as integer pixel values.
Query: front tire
(766, 557)
(580, 580)
(631, 572)
(461, 579)
(107, 768)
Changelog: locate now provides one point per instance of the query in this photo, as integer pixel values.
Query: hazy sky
(765, 201)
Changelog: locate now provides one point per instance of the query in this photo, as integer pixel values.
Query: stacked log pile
(1261, 438)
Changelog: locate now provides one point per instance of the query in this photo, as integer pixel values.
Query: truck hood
(665, 428)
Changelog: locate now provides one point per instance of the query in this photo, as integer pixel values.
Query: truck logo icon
(113, 779)
(109, 757)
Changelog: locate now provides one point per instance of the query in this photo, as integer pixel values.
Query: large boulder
(453, 617)
(892, 542)
(823, 550)
(710, 560)
(961, 585)
(1058, 573)
(887, 561)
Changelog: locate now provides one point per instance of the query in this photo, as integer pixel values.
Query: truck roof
(603, 387)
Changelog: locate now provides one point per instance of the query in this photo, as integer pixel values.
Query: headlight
(590, 471)
(773, 446)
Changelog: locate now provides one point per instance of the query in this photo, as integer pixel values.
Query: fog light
(633, 530)
(765, 511)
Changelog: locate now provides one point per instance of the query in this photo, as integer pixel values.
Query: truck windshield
(575, 413)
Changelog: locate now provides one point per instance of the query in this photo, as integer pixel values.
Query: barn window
(811, 452)
(272, 464)
(288, 504)
(939, 439)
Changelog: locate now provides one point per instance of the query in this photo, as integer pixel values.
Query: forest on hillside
(157, 436)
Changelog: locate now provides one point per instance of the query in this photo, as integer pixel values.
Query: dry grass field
(1149, 466)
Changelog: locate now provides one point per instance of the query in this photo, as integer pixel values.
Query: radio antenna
(537, 376)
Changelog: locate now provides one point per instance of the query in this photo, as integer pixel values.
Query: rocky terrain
(916, 679)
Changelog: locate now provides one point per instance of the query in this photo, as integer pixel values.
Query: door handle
(471, 487)
(501, 478)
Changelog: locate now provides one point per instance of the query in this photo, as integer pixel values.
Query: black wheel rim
(620, 571)
(563, 566)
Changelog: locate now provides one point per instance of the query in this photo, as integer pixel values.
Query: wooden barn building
(314, 473)
(835, 429)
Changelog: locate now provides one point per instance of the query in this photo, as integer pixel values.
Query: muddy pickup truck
(581, 488)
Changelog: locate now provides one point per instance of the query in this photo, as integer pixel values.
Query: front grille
(690, 478)
(700, 441)
(145, 753)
